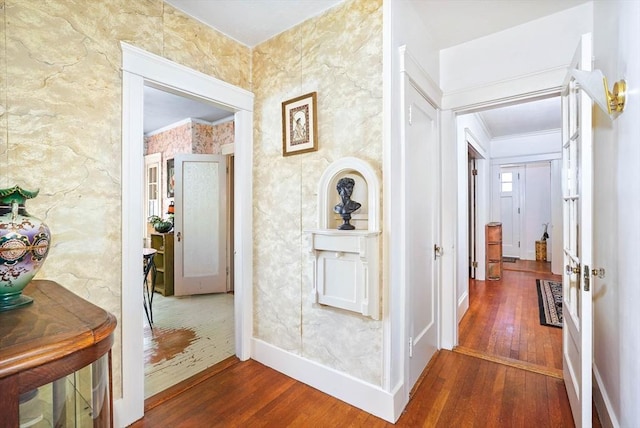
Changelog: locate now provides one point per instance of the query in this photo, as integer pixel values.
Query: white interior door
(510, 216)
(200, 236)
(422, 172)
(577, 213)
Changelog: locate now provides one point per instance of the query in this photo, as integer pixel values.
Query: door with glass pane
(510, 217)
(152, 190)
(577, 197)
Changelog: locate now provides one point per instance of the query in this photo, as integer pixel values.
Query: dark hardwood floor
(508, 377)
(503, 319)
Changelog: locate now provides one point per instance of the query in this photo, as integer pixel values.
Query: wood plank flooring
(456, 390)
(503, 319)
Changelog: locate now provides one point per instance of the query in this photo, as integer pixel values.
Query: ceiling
(457, 21)
(162, 109)
(452, 22)
(252, 22)
(524, 118)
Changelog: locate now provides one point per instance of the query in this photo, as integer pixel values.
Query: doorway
(141, 68)
(510, 154)
(189, 333)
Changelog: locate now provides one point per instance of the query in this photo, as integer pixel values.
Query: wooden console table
(43, 343)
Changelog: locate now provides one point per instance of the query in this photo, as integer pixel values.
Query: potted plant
(159, 224)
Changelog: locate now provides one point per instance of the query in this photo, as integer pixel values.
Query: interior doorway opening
(480, 130)
(186, 333)
(142, 68)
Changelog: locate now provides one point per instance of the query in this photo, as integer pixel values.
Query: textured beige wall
(60, 123)
(338, 55)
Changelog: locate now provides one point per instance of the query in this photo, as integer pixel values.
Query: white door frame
(482, 212)
(139, 68)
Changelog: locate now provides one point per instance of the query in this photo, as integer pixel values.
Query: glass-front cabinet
(55, 361)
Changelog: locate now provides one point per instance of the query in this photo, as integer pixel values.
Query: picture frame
(300, 125)
(171, 178)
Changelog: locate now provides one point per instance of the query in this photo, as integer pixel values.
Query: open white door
(200, 224)
(577, 212)
(421, 207)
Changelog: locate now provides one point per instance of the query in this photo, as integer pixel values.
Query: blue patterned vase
(24, 244)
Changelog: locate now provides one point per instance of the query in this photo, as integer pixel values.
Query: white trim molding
(368, 397)
(606, 414)
(463, 305)
(528, 86)
(140, 69)
(417, 74)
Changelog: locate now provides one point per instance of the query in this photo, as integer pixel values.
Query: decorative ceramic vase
(24, 245)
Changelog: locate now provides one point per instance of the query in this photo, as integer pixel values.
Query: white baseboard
(463, 305)
(370, 398)
(605, 410)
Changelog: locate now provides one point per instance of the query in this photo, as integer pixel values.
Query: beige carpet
(190, 334)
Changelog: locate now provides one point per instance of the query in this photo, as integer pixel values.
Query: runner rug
(550, 302)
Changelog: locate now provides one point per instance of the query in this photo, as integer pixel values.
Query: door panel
(200, 224)
(421, 209)
(577, 191)
(509, 191)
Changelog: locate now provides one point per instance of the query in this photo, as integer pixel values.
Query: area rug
(550, 302)
(509, 259)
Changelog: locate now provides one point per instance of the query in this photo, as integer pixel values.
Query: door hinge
(518, 244)
(410, 347)
(437, 251)
(518, 210)
(474, 265)
(587, 278)
(410, 113)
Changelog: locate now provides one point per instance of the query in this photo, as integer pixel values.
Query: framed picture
(299, 125)
(171, 178)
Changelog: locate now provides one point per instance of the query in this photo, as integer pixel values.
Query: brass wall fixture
(591, 82)
(616, 100)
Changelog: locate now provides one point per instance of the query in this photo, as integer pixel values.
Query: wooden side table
(43, 343)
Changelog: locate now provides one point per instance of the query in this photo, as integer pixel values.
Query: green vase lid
(16, 194)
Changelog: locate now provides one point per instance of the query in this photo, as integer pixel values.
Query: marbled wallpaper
(60, 121)
(190, 137)
(223, 133)
(339, 56)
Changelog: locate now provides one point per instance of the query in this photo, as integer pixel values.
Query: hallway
(503, 320)
(505, 373)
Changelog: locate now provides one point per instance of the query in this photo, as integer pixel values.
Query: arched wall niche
(366, 191)
(346, 262)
